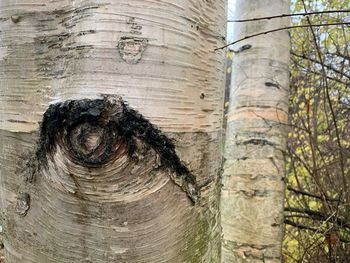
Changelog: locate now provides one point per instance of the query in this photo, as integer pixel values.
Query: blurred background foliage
(317, 218)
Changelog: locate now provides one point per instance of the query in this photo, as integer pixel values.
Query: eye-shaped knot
(87, 130)
(91, 144)
(95, 133)
(88, 140)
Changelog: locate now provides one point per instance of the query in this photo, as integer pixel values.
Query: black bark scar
(67, 122)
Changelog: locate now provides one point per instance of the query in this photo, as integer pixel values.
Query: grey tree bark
(253, 179)
(84, 176)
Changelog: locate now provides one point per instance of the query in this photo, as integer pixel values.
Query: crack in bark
(271, 84)
(262, 142)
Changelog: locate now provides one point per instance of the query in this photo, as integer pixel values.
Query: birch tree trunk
(253, 179)
(124, 166)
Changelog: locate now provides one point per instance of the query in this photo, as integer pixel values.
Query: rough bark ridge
(107, 192)
(253, 179)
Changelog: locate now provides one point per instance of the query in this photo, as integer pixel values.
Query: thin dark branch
(321, 74)
(334, 118)
(301, 192)
(318, 62)
(300, 226)
(312, 213)
(287, 15)
(338, 54)
(280, 29)
(316, 215)
(303, 227)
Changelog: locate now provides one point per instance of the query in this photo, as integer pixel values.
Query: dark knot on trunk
(95, 133)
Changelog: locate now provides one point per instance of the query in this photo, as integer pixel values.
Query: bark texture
(253, 179)
(90, 179)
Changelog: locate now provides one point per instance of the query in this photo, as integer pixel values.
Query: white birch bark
(159, 57)
(253, 179)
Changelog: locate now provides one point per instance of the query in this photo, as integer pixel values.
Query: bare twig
(330, 67)
(301, 192)
(287, 15)
(280, 29)
(317, 215)
(300, 226)
(303, 227)
(342, 164)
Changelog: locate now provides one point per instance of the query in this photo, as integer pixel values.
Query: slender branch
(316, 215)
(321, 74)
(280, 29)
(301, 192)
(329, 100)
(338, 54)
(318, 62)
(300, 226)
(288, 15)
(311, 213)
(303, 227)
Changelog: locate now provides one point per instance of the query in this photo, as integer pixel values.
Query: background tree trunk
(67, 193)
(253, 180)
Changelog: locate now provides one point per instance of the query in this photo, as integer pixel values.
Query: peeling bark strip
(93, 133)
